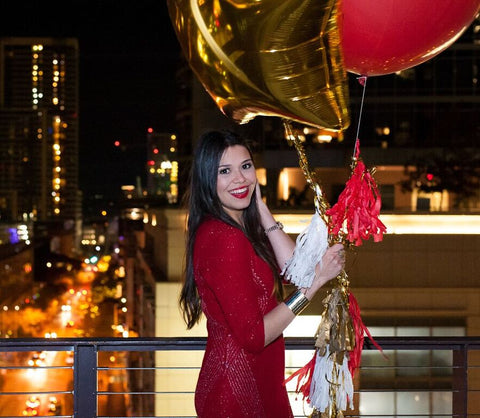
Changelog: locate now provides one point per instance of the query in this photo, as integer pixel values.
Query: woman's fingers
(258, 192)
(333, 261)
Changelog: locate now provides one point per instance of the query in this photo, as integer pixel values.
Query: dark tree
(457, 172)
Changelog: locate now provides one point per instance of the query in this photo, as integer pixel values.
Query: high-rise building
(162, 165)
(39, 130)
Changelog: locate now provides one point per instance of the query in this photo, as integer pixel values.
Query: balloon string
(363, 81)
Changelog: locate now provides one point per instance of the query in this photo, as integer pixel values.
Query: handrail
(85, 392)
(199, 343)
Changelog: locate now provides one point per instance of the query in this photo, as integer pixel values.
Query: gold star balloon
(267, 57)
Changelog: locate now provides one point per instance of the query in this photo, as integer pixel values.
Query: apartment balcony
(155, 377)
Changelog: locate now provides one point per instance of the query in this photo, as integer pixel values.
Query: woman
(235, 252)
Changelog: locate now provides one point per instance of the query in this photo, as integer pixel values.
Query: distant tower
(162, 165)
(39, 130)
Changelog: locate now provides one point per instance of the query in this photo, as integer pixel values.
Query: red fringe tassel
(358, 207)
(304, 376)
(360, 330)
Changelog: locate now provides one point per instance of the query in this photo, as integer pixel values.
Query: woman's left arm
(275, 321)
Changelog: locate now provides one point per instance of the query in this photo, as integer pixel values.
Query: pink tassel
(356, 214)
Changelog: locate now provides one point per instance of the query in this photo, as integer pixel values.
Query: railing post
(85, 382)
(460, 382)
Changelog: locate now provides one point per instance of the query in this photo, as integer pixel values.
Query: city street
(40, 383)
(36, 379)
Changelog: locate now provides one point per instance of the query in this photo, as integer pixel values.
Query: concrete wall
(418, 261)
(403, 275)
(167, 233)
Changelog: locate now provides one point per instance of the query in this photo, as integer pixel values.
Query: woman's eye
(247, 166)
(223, 171)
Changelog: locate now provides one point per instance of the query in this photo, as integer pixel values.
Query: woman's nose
(239, 177)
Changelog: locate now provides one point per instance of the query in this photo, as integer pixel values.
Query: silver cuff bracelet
(297, 302)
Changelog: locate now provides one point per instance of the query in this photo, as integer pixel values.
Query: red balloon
(384, 36)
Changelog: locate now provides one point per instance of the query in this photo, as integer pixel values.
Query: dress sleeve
(225, 260)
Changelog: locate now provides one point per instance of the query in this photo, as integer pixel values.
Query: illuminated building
(39, 130)
(162, 165)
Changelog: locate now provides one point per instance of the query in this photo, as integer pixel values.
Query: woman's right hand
(266, 217)
(333, 262)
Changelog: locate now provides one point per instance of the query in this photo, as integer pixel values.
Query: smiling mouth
(240, 193)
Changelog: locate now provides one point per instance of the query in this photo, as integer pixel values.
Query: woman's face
(236, 180)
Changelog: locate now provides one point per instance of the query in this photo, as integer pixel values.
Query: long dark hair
(202, 201)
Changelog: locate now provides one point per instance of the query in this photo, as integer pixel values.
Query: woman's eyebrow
(229, 164)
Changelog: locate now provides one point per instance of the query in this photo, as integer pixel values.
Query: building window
(388, 384)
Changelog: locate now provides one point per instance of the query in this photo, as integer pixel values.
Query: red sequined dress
(239, 378)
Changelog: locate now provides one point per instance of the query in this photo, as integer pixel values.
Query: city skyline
(127, 70)
(127, 65)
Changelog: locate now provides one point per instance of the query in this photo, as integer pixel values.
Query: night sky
(128, 53)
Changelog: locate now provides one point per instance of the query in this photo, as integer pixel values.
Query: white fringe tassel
(310, 247)
(326, 373)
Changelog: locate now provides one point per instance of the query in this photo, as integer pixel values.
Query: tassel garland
(360, 331)
(304, 378)
(332, 383)
(355, 216)
(310, 247)
(326, 381)
(335, 328)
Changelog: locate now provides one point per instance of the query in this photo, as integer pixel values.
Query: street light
(17, 308)
(4, 326)
(4, 309)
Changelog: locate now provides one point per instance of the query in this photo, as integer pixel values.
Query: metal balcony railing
(156, 377)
